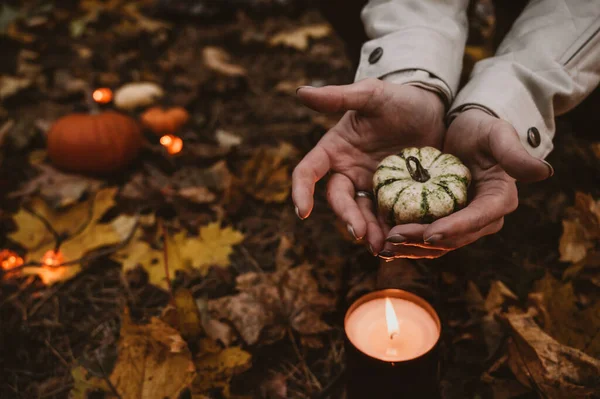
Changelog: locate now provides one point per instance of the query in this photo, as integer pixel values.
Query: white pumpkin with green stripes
(420, 185)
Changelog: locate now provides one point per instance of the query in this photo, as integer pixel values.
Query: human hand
(381, 118)
(491, 148)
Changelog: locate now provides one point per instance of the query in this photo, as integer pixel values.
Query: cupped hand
(381, 118)
(491, 148)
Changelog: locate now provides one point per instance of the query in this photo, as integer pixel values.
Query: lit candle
(391, 346)
(172, 143)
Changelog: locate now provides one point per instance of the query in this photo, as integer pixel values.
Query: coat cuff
(501, 93)
(410, 49)
(422, 79)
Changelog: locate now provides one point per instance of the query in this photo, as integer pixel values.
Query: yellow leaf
(188, 315)
(154, 362)
(215, 370)
(212, 247)
(82, 220)
(298, 38)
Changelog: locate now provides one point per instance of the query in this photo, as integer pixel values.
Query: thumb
(507, 149)
(364, 96)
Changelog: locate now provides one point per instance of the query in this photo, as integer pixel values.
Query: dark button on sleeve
(375, 55)
(533, 137)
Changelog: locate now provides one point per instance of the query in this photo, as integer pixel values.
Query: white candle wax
(367, 329)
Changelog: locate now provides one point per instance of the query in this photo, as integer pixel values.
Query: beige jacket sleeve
(547, 64)
(418, 42)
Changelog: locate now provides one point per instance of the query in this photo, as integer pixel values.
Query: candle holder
(412, 371)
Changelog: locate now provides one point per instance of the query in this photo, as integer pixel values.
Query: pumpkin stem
(417, 172)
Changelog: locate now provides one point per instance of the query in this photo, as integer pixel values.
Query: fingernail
(351, 231)
(386, 254)
(372, 251)
(298, 213)
(434, 239)
(396, 239)
(301, 87)
(549, 167)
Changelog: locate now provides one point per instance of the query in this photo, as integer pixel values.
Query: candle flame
(391, 319)
(10, 260)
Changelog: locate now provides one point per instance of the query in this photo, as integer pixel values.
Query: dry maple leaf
(266, 175)
(581, 229)
(564, 318)
(183, 314)
(298, 38)
(269, 303)
(218, 60)
(82, 220)
(216, 367)
(211, 247)
(153, 361)
(554, 370)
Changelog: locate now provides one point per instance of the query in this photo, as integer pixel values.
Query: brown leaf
(564, 319)
(216, 368)
(581, 230)
(556, 371)
(57, 188)
(266, 175)
(270, 302)
(153, 361)
(275, 387)
(218, 60)
(298, 38)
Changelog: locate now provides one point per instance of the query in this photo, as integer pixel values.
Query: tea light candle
(391, 346)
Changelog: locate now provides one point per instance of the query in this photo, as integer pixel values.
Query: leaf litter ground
(256, 301)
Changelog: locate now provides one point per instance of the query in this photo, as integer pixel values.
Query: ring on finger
(364, 194)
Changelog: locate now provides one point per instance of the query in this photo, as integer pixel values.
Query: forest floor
(189, 275)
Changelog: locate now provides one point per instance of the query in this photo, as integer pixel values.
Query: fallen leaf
(142, 22)
(581, 229)
(11, 85)
(85, 383)
(215, 370)
(218, 60)
(299, 38)
(269, 303)
(211, 247)
(153, 361)
(564, 319)
(81, 220)
(266, 176)
(197, 195)
(188, 315)
(58, 189)
(555, 370)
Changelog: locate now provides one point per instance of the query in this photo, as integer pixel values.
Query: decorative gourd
(96, 144)
(420, 185)
(137, 94)
(161, 121)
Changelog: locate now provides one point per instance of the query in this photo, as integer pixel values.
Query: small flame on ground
(103, 95)
(391, 319)
(172, 143)
(52, 258)
(10, 259)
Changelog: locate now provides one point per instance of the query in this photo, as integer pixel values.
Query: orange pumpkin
(96, 144)
(161, 121)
